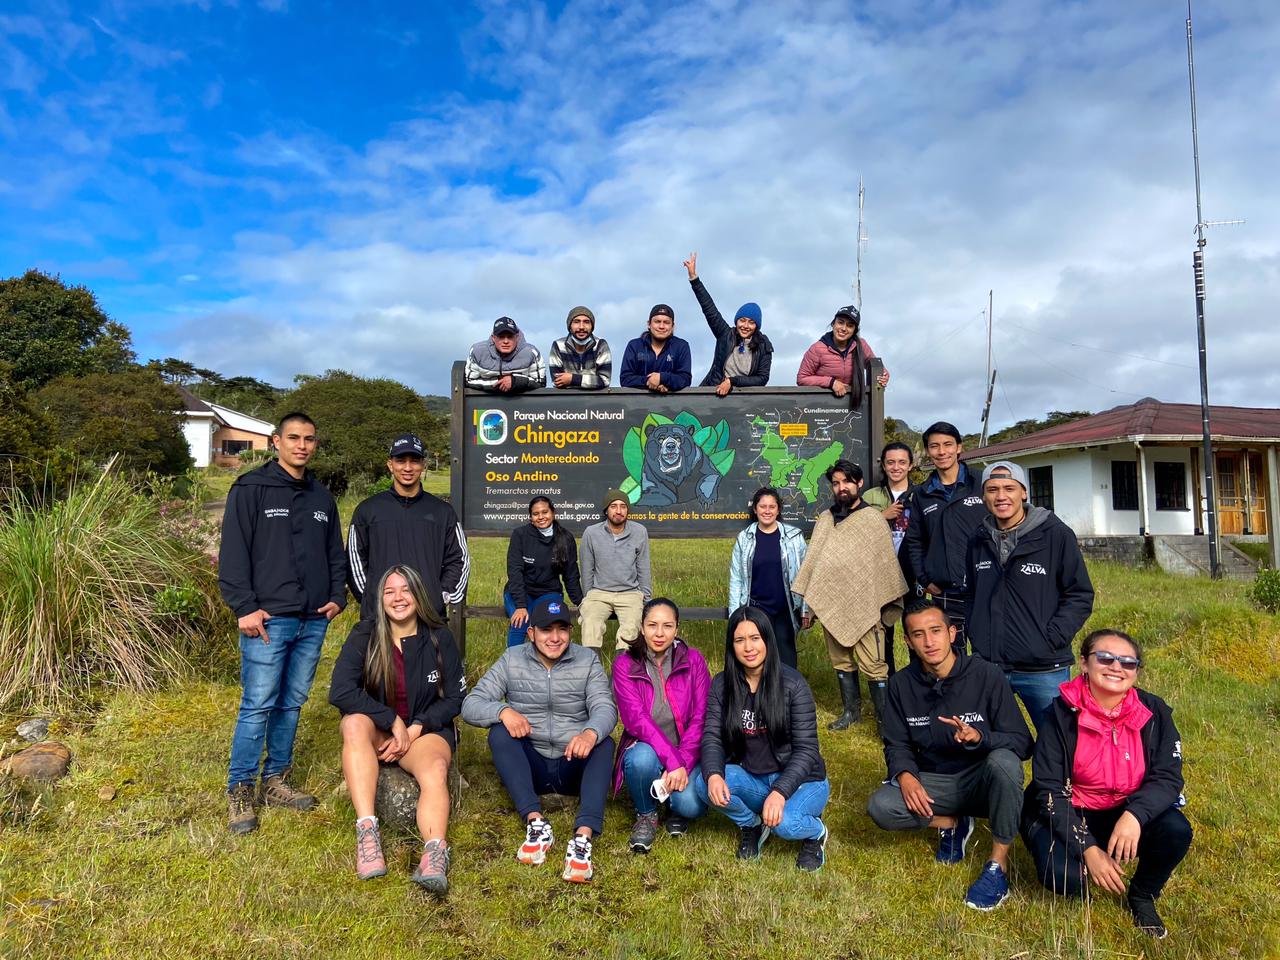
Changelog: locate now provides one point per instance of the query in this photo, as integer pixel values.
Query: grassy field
(152, 871)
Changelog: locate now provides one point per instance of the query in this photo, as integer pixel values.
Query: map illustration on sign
(793, 452)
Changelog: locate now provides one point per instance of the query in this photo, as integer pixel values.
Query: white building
(218, 435)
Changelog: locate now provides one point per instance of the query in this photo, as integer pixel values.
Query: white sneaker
(577, 860)
(537, 841)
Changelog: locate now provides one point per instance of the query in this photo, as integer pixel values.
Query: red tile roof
(1147, 419)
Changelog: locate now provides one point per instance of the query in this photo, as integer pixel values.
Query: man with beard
(658, 360)
(580, 361)
(614, 559)
(506, 362)
(851, 579)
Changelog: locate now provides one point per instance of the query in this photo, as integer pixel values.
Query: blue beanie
(751, 311)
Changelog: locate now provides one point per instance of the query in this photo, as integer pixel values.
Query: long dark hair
(379, 661)
(561, 539)
(637, 645)
(771, 695)
(857, 382)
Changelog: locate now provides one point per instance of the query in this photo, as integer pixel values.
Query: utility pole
(1197, 266)
(862, 242)
(991, 375)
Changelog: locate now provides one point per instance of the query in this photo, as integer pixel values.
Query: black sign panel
(689, 461)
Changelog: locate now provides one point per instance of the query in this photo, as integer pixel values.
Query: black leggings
(1161, 847)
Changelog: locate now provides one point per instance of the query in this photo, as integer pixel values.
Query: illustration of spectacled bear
(675, 470)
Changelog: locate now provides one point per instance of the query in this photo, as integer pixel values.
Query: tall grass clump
(99, 594)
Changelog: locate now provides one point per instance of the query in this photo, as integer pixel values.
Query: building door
(1231, 501)
(1257, 499)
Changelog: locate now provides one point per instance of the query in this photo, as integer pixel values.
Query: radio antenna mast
(991, 374)
(862, 242)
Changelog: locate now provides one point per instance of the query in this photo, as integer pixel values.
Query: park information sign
(688, 461)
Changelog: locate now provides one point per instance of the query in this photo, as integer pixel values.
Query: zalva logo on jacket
(939, 529)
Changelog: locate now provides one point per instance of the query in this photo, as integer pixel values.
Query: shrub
(98, 594)
(1265, 591)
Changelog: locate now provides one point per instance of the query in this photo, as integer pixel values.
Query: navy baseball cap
(549, 610)
(505, 325)
(406, 444)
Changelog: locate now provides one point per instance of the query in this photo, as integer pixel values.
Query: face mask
(548, 533)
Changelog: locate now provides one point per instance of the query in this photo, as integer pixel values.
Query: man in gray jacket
(506, 362)
(550, 713)
(614, 558)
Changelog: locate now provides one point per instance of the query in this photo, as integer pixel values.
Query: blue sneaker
(989, 890)
(951, 842)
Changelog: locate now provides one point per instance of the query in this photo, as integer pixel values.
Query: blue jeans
(801, 815)
(640, 767)
(1037, 691)
(518, 635)
(275, 678)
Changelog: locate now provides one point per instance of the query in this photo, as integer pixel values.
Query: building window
(1124, 485)
(1041, 479)
(233, 448)
(1171, 486)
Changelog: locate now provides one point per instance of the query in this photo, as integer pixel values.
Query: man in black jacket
(1028, 588)
(407, 525)
(944, 512)
(954, 742)
(281, 570)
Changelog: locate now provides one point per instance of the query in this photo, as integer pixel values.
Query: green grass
(153, 873)
(1259, 551)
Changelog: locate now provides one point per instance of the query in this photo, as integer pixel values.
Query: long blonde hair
(379, 658)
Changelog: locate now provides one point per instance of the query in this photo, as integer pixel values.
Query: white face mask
(549, 532)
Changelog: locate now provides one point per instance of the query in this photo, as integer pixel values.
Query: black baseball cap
(504, 325)
(549, 610)
(661, 310)
(406, 444)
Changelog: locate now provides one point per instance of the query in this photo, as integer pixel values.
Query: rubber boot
(878, 690)
(852, 697)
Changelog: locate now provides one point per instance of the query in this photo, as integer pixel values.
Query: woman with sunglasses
(1106, 784)
(838, 361)
(760, 761)
(744, 355)
(661, 691)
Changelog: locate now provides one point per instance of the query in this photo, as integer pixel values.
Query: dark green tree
(48, 329)
(356, 418)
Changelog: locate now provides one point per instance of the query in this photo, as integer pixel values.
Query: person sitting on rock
(399, 684)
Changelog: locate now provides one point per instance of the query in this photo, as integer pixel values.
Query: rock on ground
(45, 762)
(33, 730)
(396, 803)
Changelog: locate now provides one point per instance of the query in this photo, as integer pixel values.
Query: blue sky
(286, 187)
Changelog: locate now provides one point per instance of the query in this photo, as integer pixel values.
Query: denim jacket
(744, 550)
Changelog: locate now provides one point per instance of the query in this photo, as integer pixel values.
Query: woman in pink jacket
(661, 687)
(830, 363)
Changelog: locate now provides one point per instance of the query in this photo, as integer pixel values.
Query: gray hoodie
(486, 366)
(1006, 540)
(616, 564)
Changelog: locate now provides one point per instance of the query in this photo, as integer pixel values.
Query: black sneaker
(751, 840)
(644, 832)
(813, 853)
(677, 826)
(1145, 917)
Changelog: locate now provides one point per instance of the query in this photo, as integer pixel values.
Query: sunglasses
(1105, 659)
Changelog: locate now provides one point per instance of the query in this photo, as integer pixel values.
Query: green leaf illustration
(687, 419)
(722, 460)
(633, 452)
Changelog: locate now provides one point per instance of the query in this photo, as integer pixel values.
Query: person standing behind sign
(766, 560)
(743, 354)
(615, 574)
(506, 362)
(838, 361)
(541, 556)
(580, 361)
(658, 360)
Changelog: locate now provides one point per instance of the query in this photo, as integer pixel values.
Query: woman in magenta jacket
(660, 686)
(830, 363)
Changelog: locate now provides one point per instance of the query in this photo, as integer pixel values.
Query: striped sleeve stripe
(353, 557)
(460, 591)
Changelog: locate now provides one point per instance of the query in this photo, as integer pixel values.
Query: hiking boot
(537, 841)
(813, 853)
(242, 816)
(751, 841)
(276, 792)
(851, 697)
(989, 890)
(432, 874)
(577, 860)
(952, 841)
(644, 832)
(370, 862)
(677, 826)
(1145, 917)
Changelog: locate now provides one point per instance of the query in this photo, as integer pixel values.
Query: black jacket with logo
(1048, 796)
(529, 570)
(281, 545)
(421, 532)
(434, 701)
(916, 740)
(1025, 614)
(939, 529)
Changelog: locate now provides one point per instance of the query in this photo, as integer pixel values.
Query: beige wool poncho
(850, 576)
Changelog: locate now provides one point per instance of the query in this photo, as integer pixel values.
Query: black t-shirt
(767, 591)
(759, 758)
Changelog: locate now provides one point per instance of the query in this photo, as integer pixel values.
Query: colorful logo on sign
(490, 426)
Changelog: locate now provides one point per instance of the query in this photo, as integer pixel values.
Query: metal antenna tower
(862, 242)
(991, 373)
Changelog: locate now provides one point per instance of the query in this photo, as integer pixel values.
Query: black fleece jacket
(726, 335)
(281, 545)
(916, 740)
(434, 701)
(421, 532)
(1048, 796)
(800, 759)
(529, 570)
(938, 531)
(1024, 614)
